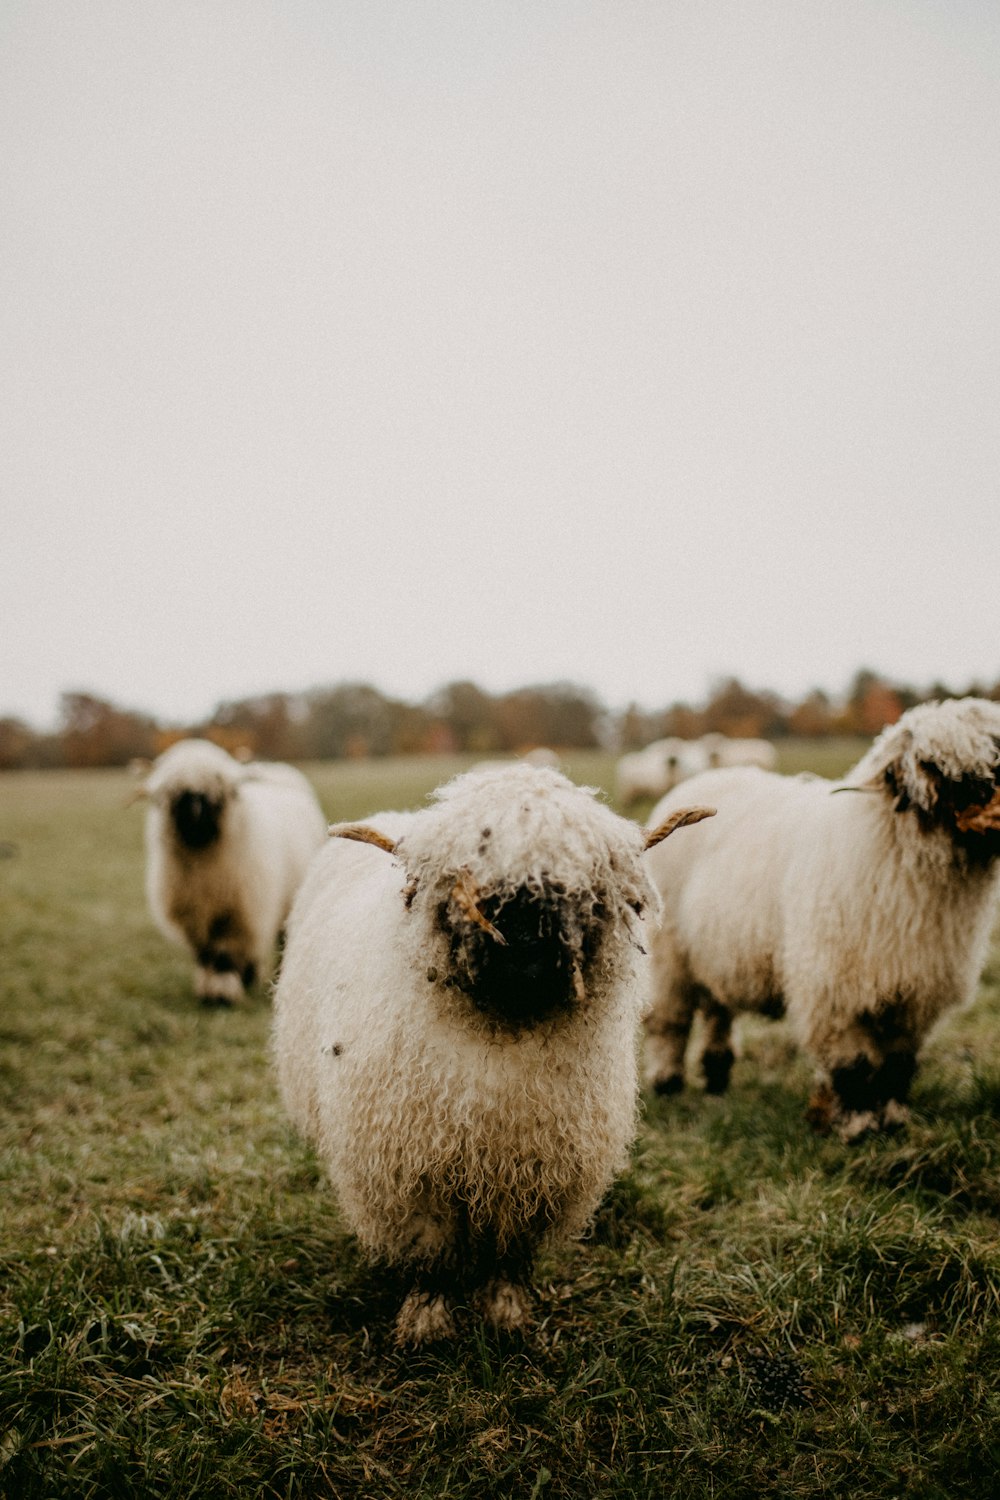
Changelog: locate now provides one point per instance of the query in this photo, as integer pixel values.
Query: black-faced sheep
(657, 768)
(227, 845)
(456, 1029)
(722, 751)
(863, 909)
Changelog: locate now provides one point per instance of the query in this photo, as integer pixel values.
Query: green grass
(184, 1314)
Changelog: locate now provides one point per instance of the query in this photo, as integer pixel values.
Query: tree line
(356, 720)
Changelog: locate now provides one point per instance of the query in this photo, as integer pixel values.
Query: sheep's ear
(890, 758)
(137, 794)
(679, 819)
(362, 834)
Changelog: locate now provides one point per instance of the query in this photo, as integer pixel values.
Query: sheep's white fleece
(847, 908)
(430, 1119)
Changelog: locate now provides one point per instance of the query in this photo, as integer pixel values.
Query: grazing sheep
(657, 768)
(863, 909)
(227, 845)
(456, 1027)
(720, 751)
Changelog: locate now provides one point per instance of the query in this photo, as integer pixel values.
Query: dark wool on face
(197, 819)
(529, 960)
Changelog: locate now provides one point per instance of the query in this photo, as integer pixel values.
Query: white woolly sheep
(456, 1029)
(863, 909)
(721, 751)
(657, 768)
(227, 845)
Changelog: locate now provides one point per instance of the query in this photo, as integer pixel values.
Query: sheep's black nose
(533, 972)
(197, 819)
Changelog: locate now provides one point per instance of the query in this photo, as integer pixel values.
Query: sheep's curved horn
(679, 819)
(466, 899)
(362, 834)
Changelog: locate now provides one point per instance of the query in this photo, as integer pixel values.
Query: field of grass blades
(758, 1311)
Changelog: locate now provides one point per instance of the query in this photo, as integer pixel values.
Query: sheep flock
(463, 989)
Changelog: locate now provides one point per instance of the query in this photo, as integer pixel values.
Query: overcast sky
(636, 344)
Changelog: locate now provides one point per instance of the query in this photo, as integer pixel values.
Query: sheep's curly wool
(227, 845)
(864, 908)
(461, 1122)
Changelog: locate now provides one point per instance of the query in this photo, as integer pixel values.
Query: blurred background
(365, 366)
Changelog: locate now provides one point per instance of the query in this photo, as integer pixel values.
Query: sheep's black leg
(717, 1054)
(426, 1313)
(892, 1083)
(505, 1295)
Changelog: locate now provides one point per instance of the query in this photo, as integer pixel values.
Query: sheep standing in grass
(721, 751)
(863, 908)
(227, 845)
(657, 769)
(456, 1028)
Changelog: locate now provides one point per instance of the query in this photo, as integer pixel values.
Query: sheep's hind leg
(717, 1054)
(668, 1022)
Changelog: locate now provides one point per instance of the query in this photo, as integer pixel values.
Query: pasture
(758, 1311)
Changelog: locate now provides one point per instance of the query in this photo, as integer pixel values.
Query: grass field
(758, 1311)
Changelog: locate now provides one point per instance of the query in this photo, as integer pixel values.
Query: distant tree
(560, 714)
(637, 727)
(272, 725)
(470, 716)
(17, 742)
(682, 720)
(411, 728)
(94, 732)
(871, 703)
(737, 711)
(352, 719)
(813, 716)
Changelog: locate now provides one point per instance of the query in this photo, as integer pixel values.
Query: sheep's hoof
(214, 988)
(895, 1116)
(853, 1125)
(423, 1318)
(670, 1083)
(506, 1306)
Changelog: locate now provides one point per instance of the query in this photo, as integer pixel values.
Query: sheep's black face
(965, 807)
(538, 969)
(197, 818)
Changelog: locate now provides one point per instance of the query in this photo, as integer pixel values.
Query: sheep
(863, 909)
(657, 768)
(456, 1028)
(720, 750)
(227, 845)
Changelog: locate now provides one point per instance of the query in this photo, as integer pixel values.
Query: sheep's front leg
(222, 976)
(426, 1313)
(717, 1053)
(424, 1317)
(892, 1083)
(215, 984)
(506, 1304)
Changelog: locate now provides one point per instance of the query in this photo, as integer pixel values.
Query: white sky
(631, 343)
